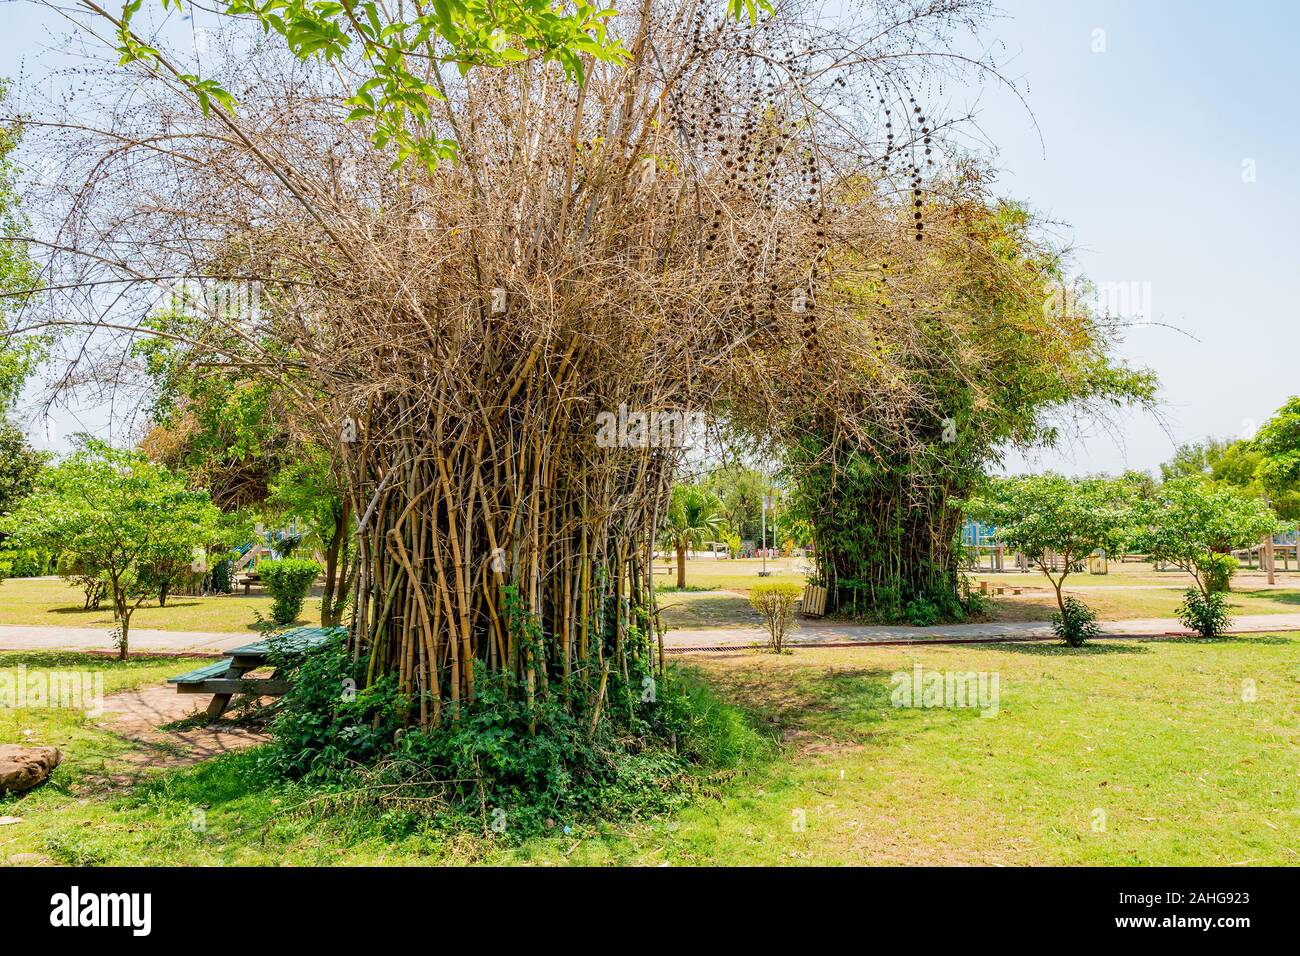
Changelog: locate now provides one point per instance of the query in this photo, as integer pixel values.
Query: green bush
(1218, 570)
(326, 721)
(922, 613)
(25, 563)
(1077, 625)
(1207, 615)
(288, 581)
(221, 578)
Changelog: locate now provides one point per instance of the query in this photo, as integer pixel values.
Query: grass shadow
(840, 707)
(1277, 597)
(80, 660)
(1044, 649)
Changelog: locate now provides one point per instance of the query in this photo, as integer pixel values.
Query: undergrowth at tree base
(505, 768)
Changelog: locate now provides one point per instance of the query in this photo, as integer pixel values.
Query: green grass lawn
(51, 602)
(91, 755)
(1184, 749)
(740, 574)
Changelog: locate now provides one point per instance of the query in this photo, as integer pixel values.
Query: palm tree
(693, 513)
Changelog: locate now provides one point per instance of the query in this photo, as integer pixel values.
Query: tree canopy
(1194, 524)
(693, 517)
(1055, 521)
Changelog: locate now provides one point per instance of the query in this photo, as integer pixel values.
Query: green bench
(224, 679)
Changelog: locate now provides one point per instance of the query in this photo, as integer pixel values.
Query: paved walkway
(830, 633)
(15, 637)
(35, 637)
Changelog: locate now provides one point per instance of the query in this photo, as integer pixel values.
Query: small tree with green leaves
(693, 513)
(1194, 524)
(116, 513)
(1055, 521)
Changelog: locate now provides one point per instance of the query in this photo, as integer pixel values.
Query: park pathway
(806, 633)
(833, 634)
(37, 637)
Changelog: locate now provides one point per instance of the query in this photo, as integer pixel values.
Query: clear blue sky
(1141, 154)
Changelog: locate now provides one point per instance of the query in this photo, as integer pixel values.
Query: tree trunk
(162, 593)
(123, 615)
(329, 613)
(681, 567)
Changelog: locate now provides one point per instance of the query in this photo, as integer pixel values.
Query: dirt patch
(138, 715)
(805, 743)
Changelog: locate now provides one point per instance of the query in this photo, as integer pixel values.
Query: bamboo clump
(718, 226)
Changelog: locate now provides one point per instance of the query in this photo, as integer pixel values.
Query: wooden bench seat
(225, 678)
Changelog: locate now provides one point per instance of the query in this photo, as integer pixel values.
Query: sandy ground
(138, 714)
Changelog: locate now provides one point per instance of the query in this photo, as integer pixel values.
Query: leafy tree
(693, 516)
(222, 427)
(229, 432)
(739, 490)
(1194, 524)
(308, 489)
(120, 514)
(20, 465)
(1138, 484)
(1055, 521)
(1195, 458)
(1278, 447)
(1004, 358)
(1258, 467)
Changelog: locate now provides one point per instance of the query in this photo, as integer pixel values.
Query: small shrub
(1218, 570)
(922, 613)
(1077, 625)
(222, 580)
(1206, 614)
(288, 581)
(776, 603)
(974, 603)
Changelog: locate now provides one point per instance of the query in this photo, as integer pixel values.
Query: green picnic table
(224, 679)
